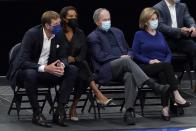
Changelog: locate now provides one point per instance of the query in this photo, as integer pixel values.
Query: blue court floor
(163, 129)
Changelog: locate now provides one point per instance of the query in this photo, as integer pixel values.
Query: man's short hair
(48, 16)
(146, 15)
(97, 13)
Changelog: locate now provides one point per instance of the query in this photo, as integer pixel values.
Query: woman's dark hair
(64, 12)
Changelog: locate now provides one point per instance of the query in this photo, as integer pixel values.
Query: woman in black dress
(74, 41)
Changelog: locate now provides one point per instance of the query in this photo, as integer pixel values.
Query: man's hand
(193, 31)
(53, 69)
(71, 59)
(185, 31)
(125, 56)
(154, 61)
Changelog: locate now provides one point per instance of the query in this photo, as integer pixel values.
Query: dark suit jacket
(30, 51)
(101, 52)
(76, 48)
(184, 19)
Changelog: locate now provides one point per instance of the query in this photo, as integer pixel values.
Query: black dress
(77, 48)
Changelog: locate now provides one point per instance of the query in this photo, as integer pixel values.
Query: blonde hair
(145, 15)
(48, 16)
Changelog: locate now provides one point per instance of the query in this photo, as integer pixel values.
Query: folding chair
(20, 93)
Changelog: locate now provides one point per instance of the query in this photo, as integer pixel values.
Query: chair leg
(82, 111)
(89, 109)
(54, 101)
(142, 101)
(99, 112)
(190, 78)
(18, 105)
(11, 105)
(49, 99)
(43, 104)
(90, 96)
(179, 78)
(121, 108)
(52, 108)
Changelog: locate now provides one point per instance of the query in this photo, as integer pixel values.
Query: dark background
(16, 17)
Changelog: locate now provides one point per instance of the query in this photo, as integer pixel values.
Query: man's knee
(127, 76)
(29, 74)
(126, 61)
(72, 70)
(167, 66)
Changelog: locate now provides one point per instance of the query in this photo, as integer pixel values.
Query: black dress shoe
(129, 117)
(187, 104)
(59, 119)
(40, 120)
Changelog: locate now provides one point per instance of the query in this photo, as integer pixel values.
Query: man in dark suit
(111, 61)
(178, 27)
(40, 64)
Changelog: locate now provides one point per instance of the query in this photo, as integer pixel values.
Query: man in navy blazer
(111, 61)
(39, 64)
(178, 27)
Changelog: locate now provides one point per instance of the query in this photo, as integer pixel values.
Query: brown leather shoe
(40, 120)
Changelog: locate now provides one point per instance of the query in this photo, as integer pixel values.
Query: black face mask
(73, 23)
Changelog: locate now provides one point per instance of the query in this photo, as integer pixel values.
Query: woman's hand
(154, 61)
(71, 59)
(125, 56)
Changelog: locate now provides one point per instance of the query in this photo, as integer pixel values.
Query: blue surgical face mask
(177, 1)
(153, 24)
(56, 29)
(105, 25)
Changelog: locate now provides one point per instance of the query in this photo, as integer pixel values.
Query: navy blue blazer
(101, 52)
(184, 19)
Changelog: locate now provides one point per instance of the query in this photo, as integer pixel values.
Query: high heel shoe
(73, 117)
(106, 103)
(186, 104)
(165, 118)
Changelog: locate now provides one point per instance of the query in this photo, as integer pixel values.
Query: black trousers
(31, 79)
(83, 79)
(165, 74)
(184, 45)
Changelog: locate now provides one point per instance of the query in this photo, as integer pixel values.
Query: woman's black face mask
(73, 23)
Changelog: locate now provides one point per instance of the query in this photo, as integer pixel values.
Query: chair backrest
(13, 55)
(14, 51)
